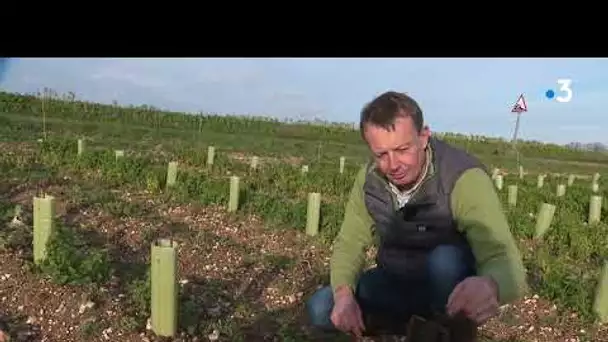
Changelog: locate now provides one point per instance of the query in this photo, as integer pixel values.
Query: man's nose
(392, 161)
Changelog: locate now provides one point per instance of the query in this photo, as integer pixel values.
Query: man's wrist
(493, 285)
(342, 290)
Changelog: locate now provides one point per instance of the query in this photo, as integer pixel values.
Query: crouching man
(444, 245)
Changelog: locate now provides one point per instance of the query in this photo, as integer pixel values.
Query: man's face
(399, 153)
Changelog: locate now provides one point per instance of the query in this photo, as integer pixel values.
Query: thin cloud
(580, 128)
(117, 75)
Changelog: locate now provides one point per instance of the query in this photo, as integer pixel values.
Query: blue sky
(459, 95)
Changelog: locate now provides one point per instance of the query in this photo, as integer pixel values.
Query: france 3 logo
(564, 95)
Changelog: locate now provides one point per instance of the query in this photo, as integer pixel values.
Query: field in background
(244, 275)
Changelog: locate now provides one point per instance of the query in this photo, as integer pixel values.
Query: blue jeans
(388, 298)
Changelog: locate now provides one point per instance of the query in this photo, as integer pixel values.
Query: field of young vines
(243, 275)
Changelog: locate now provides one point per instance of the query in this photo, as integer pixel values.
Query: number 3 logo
(565, 87)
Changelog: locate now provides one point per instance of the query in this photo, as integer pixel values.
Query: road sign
(520, 105)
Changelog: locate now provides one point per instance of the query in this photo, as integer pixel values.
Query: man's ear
(425, 135)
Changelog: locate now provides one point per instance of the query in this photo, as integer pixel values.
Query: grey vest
(408, 235)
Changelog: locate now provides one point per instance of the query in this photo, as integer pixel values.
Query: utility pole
(519, 107)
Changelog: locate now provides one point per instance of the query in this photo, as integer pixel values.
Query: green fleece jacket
(479, 215)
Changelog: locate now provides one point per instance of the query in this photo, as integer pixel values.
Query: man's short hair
(384, 109)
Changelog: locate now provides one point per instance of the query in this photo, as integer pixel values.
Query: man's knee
(448, 263)
(319, 307)
(447, 266)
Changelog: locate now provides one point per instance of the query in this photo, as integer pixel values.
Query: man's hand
(346, 314)
(476, 297)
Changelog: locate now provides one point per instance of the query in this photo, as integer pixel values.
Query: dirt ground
(239, 280)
